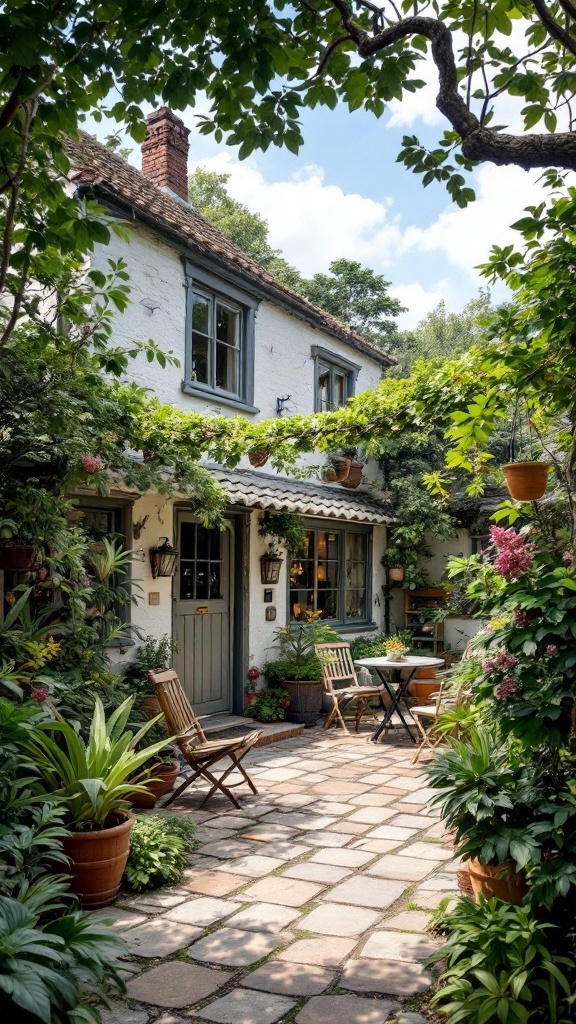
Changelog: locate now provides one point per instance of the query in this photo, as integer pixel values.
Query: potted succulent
(298, 669)
(93, 780)
(485, 798)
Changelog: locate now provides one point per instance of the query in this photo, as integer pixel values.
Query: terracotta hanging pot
(354, 478)
(16, 557)
(329, 475)
(258, 457)
(98, 862)
(341, 465)
(526, 481)
(396, 574)
(499, 880)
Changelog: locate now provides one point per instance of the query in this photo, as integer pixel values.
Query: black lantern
(163, 559)
(270, 566)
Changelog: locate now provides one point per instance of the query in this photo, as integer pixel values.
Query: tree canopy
(359, 297)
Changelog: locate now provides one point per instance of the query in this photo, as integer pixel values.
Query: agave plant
(92, 777)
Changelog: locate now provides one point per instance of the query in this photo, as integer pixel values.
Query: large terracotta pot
(305, 700)
(163, 778)
(354, 478)
(16, 557)
(526, 481)
(422, 689)
(98, 862)
(500, 880)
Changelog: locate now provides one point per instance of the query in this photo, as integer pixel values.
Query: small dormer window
(219, 340)
(334, 379)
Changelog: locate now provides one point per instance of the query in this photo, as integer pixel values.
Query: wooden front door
(203, 615)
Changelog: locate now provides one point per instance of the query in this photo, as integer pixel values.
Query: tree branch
(555, 30)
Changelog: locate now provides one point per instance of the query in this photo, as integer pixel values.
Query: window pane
(226, 325)
(202, 542)
(301, 601)
(215, 543)
(187, 536)
(308, 551)
(186, 581)
(327, 575)
(200, 357)
(202, 579)
(226, 368)
(201, 314)
(215, 587)
(355, 574)
(355, 604)
(327, 545)
(328, 604)
(302, 574)
(324, 390)
(355, 547)
(339, 390)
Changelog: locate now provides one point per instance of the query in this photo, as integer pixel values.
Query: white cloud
(420, 105)
(466, 236)
(420, 301)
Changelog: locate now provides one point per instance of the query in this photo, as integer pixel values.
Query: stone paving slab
(408, 869)
(426, 851)
(232, 947)
(325, 873)
(217, 883)
(341, 858)
(290, 892)
(361, 891)
(255, 866)
(319, 952)
(160, 937)
(202, 911)
(393, 978)
(122, 919)
(338, 919)
(119, 1013)
(408, 921)
(324, 839)
(176, 984)
(263, 917)
(391, 945)
(289, 979)
(225, 849)
(241, 1007)
(342, 1009)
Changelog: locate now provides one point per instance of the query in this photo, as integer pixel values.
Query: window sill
(119, 644)
(360, 627)
(212, 396)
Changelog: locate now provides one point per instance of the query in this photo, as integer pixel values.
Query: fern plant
(159, 848)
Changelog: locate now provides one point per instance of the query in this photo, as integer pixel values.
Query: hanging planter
(354, 478)
(526, 481)
(396, 574)
(258, 457)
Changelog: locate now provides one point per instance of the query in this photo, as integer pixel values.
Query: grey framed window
(219, 340)
(332, 577)
(334, 379)
(110, 518)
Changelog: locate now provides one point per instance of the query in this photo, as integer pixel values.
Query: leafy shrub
(374, 646)
(159, 848)
(152, 653)
(503, 967)
(269, 705)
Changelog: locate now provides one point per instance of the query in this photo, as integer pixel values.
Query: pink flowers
(521, 618)
(507, 688)
(92, 463)
(40, 693)
(514, 556)
(551, 650)
(503, 662)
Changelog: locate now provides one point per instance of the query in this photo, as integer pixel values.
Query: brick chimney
(165, 152)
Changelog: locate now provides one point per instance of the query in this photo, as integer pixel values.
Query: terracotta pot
(354, 478)
(164, 777)
(151, 706)
(329, 475)
(341, 466)
(465, 882)
(16, 557)
(526, 481)
(98, 862)
(500, 880)
(305, 700)
(397, 574)
(258, 456)
(422, 689)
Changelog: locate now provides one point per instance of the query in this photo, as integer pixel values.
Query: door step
(272, 732)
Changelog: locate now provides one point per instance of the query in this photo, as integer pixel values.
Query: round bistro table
(390, 673)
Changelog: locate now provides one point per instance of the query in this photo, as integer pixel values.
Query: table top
(412, 661)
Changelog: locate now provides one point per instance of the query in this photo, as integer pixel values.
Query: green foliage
(297, 658)
(359, 298)
(442, 334)
(152, 653)
(374, 646)
(159, 848)
(285, 527)
(91, 777)
(503, 967)
(269, 705)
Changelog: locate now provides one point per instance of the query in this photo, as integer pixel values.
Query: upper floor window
(219, 340)
(334, 379)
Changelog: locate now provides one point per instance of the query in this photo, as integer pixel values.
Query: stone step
(272, 732)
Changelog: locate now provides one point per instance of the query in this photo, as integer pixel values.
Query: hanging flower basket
(258, 457)
(396, 574)
(526, 481)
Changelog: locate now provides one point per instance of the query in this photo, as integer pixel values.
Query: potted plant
(353, 478)
(270, 704)
(526, 481)
(164, 769)
(298, 669)
(486, 799)
(396, 649)
(93, 780)
(337, 468)
(250, 690)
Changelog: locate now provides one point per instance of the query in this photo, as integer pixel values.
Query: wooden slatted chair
(426, 717)
(341, 684)
(201, 754)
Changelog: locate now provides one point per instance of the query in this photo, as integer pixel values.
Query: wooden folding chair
(342, 686)
(430, 713)
(201, 754)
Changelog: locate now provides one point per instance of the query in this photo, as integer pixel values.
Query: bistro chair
(426, 717)
(341, 685)
(202, 755)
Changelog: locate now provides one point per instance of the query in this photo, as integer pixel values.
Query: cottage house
(247, 346)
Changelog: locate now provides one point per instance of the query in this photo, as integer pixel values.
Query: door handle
(202, 610)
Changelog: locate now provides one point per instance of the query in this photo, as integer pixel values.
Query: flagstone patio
(310, 904)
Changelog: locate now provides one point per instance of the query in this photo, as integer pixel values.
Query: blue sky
(345, 195)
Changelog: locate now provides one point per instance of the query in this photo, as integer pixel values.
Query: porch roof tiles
(265, 491)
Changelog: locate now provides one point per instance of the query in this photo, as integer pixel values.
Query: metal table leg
(395, 697)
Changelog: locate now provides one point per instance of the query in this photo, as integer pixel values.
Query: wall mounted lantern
(163, 559)
(270, 566)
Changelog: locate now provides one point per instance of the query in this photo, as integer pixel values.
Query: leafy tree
(442, 334)
(249, 231)
(358, 297)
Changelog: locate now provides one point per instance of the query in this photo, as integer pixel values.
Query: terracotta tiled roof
(113, 178)
(307, 497)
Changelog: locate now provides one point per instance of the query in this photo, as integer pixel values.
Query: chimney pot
(165, 152)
